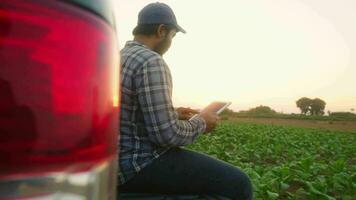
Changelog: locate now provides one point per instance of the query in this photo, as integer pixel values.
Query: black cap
(158, 13)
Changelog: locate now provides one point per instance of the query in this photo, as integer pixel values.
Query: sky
(258, 52)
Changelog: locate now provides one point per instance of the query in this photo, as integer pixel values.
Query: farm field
(286, 162)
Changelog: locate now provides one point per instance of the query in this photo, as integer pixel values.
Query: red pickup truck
(59, 99)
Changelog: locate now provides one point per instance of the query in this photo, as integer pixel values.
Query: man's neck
(147, 41)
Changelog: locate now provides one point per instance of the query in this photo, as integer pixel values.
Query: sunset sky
(258, 52)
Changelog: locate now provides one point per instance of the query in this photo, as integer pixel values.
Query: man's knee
(248, 189)
(243, 188)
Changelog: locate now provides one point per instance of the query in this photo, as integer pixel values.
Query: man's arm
(154, 90)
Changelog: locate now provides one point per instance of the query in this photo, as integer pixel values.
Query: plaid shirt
(149, 125)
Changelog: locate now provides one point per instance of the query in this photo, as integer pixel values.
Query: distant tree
(304, 105)
(227, 112)
(317, 107)
(261, 110)
(352, 109)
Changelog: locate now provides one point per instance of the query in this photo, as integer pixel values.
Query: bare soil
(348, 126)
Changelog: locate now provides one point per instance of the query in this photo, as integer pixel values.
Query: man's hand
(185, 113)
(211, 120)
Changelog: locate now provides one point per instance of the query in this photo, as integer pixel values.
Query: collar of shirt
(135, 43)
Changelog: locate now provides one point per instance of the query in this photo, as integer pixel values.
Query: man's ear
(161, 31)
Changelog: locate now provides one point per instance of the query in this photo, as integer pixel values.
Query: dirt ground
(349, 126)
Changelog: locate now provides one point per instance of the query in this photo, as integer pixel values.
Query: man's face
(165, 42)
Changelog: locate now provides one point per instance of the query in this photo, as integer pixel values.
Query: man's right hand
(211, 120)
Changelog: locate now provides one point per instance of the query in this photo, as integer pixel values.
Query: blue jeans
(183, 172)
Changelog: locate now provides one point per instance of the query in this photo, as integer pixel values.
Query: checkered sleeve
(154, 93)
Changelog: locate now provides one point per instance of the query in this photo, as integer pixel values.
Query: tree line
(310, 108)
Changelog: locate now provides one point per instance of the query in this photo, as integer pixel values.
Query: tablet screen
(215, 107)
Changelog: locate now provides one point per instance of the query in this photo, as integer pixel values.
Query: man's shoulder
(140, 53)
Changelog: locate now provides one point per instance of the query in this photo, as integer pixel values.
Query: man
(152, 132)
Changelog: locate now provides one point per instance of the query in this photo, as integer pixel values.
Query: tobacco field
(287, 162)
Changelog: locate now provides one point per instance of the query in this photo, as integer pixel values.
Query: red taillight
(58, 86)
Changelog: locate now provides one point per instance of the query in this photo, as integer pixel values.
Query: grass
(286, 162)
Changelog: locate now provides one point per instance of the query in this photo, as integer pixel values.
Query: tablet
(215, 107)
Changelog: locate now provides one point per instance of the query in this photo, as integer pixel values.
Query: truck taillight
(59, 79)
